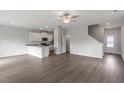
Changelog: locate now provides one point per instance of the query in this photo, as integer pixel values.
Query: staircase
(83, 44)
(97, 32)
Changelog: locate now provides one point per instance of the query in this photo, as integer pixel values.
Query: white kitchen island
(39, 51)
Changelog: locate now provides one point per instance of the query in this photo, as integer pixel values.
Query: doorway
(112, 40)
(67, 43)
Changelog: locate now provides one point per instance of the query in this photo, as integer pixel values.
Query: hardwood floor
(62, 68)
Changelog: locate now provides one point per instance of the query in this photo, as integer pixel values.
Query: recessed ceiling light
(107, 23)
(12, 22)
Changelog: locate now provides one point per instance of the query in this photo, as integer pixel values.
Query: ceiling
(36, 19)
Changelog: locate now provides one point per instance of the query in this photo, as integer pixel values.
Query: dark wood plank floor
(62, 68)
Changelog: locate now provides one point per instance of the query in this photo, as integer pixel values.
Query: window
(110, 41)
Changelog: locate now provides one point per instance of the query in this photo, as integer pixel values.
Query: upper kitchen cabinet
(34, 36)
(37, 36)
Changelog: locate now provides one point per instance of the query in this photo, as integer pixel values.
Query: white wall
(83, 44)
(122, 41)
(116, 32)
(12, 41)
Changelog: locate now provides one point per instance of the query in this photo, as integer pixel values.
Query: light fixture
(107, 23)
(12, 22)
(66, 19)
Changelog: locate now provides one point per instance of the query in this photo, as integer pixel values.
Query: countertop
(37, 45)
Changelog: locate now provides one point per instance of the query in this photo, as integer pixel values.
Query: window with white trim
(110, 41)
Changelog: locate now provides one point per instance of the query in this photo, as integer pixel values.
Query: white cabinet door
(34, 36)
(44, 35)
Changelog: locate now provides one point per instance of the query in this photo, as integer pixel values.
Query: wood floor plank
(65, 68)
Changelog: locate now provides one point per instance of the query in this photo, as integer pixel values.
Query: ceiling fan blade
(73, 17)
(74, 20)
(60, 17)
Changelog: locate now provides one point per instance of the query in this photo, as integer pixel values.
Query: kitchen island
(37, 50)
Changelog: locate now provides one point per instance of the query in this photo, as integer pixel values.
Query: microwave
(44, 39)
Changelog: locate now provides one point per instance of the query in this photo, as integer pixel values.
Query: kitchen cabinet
(35, 36)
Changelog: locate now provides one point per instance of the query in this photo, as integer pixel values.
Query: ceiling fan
(67, 17)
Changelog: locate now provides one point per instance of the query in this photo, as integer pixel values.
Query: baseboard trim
(88, 55)
(13, 55)
(112, 53)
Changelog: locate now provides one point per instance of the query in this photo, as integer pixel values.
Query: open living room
(61, 46)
